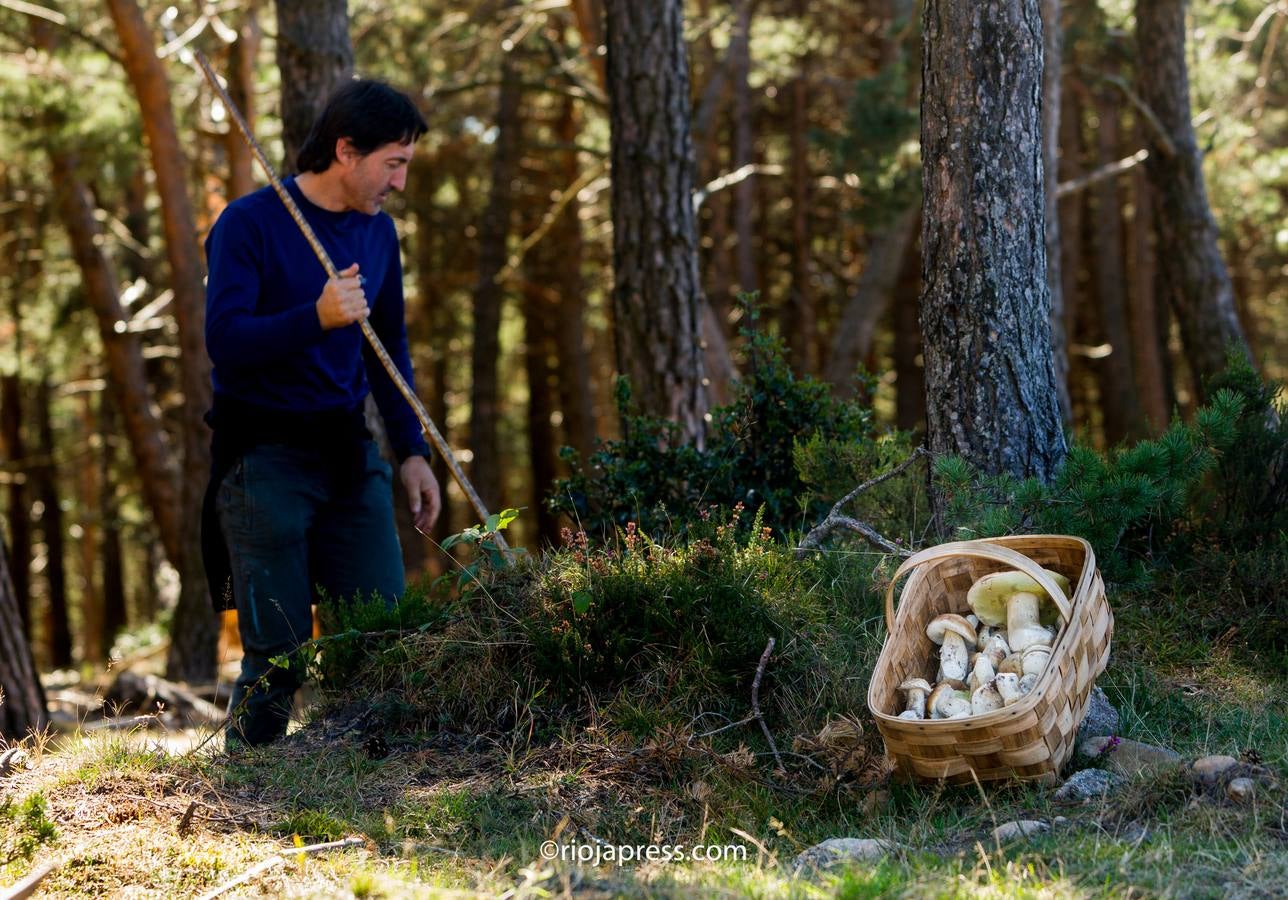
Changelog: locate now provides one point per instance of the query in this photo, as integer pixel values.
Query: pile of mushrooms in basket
(991, 657)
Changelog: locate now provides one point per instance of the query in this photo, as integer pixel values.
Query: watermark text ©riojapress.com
(597, 853)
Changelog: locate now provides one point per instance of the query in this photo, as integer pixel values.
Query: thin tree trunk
(242, 54)
(194, 632)
(910, 380)
(540, 300)
(15, 451)
(114, 607)
(315, 57)
(92, 640)
(575, 399)
(22, 699)
(864, 308)
(657, 294)
(1194, 281)
(123, 355)
(744, 192)
(1052, 58)
(1119, 398)
(1148, 328)
(1071, 244)
(985, 309)
(494, 233)
(58, 632)
(802, 327)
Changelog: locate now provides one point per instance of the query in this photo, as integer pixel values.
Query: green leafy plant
(24, 826)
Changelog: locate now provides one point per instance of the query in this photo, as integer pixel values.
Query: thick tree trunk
(22, 699)
(315, 57)
(494, 234)
(1194, 281)
(657, 295)
(1052, 58)
(194, 632)
(58, 632)
(985, 309)
(13, 449)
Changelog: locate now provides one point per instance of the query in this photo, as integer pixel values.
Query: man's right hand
(343, 301)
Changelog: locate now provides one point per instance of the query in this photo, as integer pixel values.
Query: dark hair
(369, 113)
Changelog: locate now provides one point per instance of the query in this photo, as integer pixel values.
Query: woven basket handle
(981, 550)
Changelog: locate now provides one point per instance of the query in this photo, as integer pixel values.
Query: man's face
(369, 179)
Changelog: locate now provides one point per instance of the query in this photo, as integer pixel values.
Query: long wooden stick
(426, 424)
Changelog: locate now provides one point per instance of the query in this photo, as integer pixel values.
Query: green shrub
(651, 477)
(24, 826)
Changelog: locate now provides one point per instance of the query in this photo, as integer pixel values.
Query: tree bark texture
(1052, 59)
(744, 154)
(113, 576)
(1194, 282)
(494, 234)
(315, 57)
(241, 88)
(194, 633)
(22, 699)
(657, 295)
(59, 632)
(985, 309)
(801, 321)
(1148, 319)
(13, 450)
(910, 379)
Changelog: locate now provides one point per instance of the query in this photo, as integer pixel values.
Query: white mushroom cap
(1008, 685)
(986, 698)
(1028, 683)
(916, 690)
(988, 596)
(946, 702)
(952, 623)
(1034, 659)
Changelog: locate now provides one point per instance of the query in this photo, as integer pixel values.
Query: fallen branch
(27, 886)
(836, 520)
(279, 859)
(756, 715)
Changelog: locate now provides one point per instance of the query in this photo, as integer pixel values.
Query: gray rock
(1101, 717)
(1089, 784)
(1240, 790)
(838, 851)
(1009, 831)
(1126, 757)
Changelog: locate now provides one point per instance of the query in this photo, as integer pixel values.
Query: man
(299, 495)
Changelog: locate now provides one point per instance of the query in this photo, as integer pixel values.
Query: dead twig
(279, 859)
(755, 701)
(836, 520)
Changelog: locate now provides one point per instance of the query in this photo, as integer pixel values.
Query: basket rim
(1029, 700)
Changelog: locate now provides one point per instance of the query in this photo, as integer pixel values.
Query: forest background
(806, 188)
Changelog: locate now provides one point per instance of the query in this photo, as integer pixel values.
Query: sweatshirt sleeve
(236, 336)
(387, 320)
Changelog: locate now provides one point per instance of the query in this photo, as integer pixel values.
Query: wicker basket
(1030, 739)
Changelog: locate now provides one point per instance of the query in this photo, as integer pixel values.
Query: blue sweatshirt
(262, 330)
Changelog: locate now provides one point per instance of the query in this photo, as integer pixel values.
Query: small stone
(1101, 718)
(1135, 833)
(1089, 784)
(14, 759)
(1240, 790)
(1059, 821)
(1209, 769)
(1127, 757)
(837, 851)
(1009, 831)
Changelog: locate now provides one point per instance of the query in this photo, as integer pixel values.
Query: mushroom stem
(1022, 625)
(952, 656)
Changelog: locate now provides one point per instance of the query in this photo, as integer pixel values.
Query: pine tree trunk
(315, 57)
(657, 295)
(494, 234)
(1119, 397)
(910, 378)
(575, 399)
(114, 606)
(744, 192)
(58, 632)
(1194, 280)
(242, 54)
(93, 645)
(1052, 59)
(194, 631)
(985, 309)
(1148, 327)
(802, 328)
(22, 699)
(14, 451)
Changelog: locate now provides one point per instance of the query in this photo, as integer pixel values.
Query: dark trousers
(300, 526)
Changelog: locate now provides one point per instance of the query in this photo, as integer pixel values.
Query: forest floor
(131, 814)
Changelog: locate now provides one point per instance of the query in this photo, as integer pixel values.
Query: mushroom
(1034, 658)
(1018, 601)
(981, 674)
(909, 714)
(946, 702)
(955, 638)
(996, 649)
(1027, 683)
(917, 689)
(1008, 685)
(1013, 664)
(986, 698)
